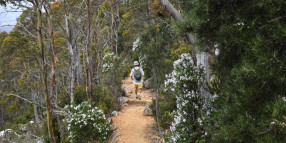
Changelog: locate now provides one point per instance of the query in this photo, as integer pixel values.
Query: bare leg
(140, 93)
(136, 89)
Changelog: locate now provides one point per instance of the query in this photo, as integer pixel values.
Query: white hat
(136, 63)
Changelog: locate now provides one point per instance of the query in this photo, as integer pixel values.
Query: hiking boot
(138, 96)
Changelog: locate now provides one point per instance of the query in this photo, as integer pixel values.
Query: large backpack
(137, 74)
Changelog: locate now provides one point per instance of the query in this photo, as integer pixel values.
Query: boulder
(147, 109)
(123, 100)
(147, 83)
(5, 132)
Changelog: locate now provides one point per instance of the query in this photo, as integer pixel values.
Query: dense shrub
(86, 123)
(190, 118)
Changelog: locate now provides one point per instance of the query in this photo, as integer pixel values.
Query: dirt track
(132, 125)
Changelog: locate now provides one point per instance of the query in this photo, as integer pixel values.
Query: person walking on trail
(138, 74)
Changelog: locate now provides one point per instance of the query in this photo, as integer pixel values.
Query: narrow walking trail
(132, 125)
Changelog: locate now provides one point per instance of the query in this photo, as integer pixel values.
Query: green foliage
(86, 123)
(179, 48)
(2, 37)
(154, 52)
(250, 36)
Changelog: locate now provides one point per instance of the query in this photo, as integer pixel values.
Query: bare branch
(7, 25)
(23, 99)
(32, 35)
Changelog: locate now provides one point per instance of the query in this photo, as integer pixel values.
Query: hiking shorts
(139, 85)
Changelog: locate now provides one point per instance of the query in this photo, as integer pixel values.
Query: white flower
(284, 99)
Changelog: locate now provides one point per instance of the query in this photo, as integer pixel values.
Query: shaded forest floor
(132, 125)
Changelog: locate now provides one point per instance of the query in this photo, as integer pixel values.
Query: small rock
(130, 91)
(147, 109)
(32, 123)
(156, 137)
(22, 127)
(147, 83)
(114, 137)
(125, 104)
(114, 113)
(114, 127)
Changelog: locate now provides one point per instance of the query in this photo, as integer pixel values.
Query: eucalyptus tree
(37, 7)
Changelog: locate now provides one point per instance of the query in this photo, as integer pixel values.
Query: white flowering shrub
(185, 82)
(86, 123)
(109, 61)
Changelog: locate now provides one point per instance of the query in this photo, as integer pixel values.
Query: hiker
(138, 74)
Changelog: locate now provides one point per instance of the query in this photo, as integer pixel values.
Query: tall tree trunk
(36, 114)
(44, 71)
(111, 26)
(75, 64)
(117, 25)
(71, 45)
(52, 53)
(88, 58)
(177, 16)
(52, 81)
(72, 76)
(78, 66)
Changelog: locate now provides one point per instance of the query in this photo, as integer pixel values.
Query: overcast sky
(8, 18)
